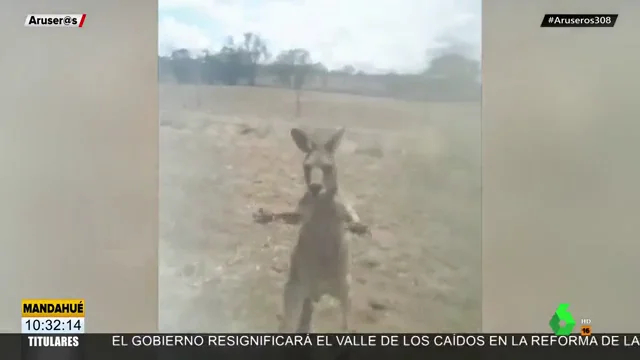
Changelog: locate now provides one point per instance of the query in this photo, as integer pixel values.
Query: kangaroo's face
(320, 172)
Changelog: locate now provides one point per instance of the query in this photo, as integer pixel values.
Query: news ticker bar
(212, 343)
(579, 20)
(354, 346)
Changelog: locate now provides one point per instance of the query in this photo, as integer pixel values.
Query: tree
(253, 51)
(183, 66)
(302, 67)
(231, 67)
(453, 66)
(283, 68)
(452, 74)
(322, 73)
(291, 68)
(348, 70)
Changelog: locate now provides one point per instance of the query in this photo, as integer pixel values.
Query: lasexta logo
(562, 322)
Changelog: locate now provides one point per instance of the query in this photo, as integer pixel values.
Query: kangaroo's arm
(263, 216)
(351, 216)
(292, 217)
(352, 220)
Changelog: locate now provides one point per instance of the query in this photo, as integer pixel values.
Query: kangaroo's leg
(294, 297)
(341, 292)
(304, 326)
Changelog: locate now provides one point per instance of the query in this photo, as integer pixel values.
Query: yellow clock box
(53, 316)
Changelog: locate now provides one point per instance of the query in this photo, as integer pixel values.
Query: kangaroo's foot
(358, 228)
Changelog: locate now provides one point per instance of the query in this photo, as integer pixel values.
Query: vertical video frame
(254, 167)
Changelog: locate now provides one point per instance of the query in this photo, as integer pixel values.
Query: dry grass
(412, 171)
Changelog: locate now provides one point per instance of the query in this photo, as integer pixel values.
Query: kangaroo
(295, 217)
(319, 262)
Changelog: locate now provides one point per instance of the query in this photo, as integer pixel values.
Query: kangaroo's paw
(262, 216)
(289, 217)
(359, 228)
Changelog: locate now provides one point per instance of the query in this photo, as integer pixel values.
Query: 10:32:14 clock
(62, 325)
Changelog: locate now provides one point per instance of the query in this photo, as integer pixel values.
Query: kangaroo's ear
(301, 139)
(334, 141)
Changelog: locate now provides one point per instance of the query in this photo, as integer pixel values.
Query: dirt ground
(412, 171)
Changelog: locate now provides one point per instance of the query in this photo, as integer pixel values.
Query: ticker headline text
(370, 340)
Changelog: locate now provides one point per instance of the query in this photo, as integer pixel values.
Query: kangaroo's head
(320, 172)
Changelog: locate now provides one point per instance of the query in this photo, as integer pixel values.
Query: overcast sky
(376, 35)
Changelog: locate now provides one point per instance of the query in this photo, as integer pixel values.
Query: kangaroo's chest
(322, 220)
(321, 211)
(323, 230)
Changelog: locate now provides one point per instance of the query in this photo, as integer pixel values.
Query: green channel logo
(562, 314)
